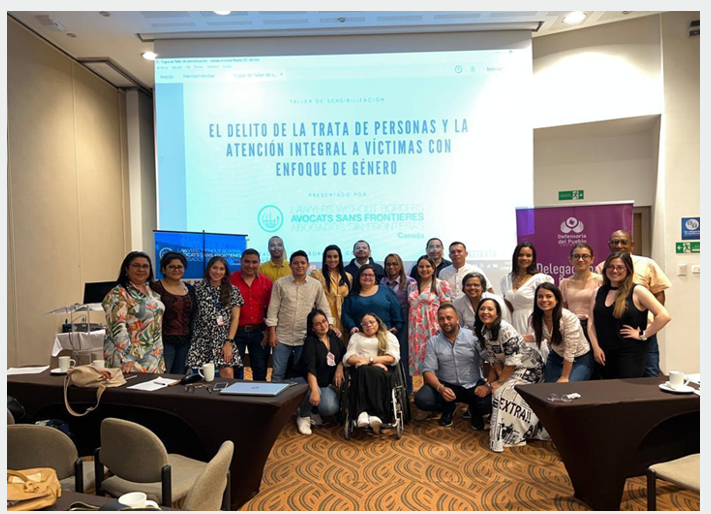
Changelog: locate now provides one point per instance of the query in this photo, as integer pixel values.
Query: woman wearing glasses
(134, 318)
(367, 296)
(336, 282)
(578, 291)
(618, 326)
(179, 301)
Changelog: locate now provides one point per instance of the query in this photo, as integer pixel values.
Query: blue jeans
(652, 367)
(583, 367)
(175, 355)
(280, 359)
(430, 400)
(258, 354)
(329, 403)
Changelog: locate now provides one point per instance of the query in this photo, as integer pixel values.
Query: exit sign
(688, 247)
(577, 194)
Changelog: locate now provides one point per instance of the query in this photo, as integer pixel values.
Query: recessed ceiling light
(105, 14)
(574, 18)
(71, 34)
(222, 13)
(149, 56)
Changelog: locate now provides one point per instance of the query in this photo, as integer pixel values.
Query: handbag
(92, 378)
(32, 489)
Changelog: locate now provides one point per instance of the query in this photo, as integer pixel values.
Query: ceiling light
(149, 56)
(222, 13)
(105, 14)
(574, 18)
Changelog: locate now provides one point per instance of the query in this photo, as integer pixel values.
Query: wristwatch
(229, 340)
(642, 337)
(371, 359)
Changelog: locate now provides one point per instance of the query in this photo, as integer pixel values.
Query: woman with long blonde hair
(372, 354)
(618, 327)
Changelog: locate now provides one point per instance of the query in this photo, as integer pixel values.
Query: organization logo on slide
(163, 251)
(572, 224)
(270, 218)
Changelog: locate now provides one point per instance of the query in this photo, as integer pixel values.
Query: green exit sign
(688, 247)
(577, 194)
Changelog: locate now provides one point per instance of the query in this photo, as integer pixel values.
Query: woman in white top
(372, 354)
(519, 287)
(475, 289)
(570, 358)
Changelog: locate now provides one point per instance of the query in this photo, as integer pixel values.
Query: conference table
(615, 430)
(193, 424)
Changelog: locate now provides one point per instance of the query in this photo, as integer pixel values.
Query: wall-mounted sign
(691, 228)
(690, 247)
(577, 194)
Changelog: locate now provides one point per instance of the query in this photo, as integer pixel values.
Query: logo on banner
(164, 251)
(270, 218)
(572, 224)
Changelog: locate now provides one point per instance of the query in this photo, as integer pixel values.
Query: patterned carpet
(431, 468)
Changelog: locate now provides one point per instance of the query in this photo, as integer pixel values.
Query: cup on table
(136, 500)
(677, 379)
(207, 371)
(65, 363)
(99, 363)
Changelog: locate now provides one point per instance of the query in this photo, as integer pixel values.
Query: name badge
(220, 321)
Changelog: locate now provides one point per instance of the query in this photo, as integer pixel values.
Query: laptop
(254, 389)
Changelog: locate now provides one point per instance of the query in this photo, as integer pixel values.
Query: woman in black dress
(218, 305)
(618, 326)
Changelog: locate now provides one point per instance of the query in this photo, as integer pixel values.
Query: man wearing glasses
(361, 251)
(650, 275)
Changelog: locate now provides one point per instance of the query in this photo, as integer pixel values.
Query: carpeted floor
(430, 468)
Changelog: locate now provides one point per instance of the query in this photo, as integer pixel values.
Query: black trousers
(628, 361)
(371, 392)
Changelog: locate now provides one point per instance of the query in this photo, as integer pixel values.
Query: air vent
(156, 15)
(282, 13)
(212, 14)
(297, 21)
(457, 16)
(112, 72)
(512, 14)
(235, 23)
(619, 15)
(177, 24)
(557, 13)
(400, 18)
(51, 24)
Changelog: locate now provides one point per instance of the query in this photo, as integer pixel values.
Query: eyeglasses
(190, 388)
(368, 275)
(562, 398)
(176, 268)
(579, 257)
(368, 323)
(391, 264)
(619, 242)
(610, 267)
(140, 266)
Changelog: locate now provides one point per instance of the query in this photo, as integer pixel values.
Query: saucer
(681, 390)
(57, 371)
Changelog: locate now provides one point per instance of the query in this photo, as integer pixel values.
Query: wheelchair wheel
(402, 394)
(348, 426)
(400, 427)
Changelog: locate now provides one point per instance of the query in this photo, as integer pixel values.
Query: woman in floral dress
(218, 305)
(134, 318)
(424, 298)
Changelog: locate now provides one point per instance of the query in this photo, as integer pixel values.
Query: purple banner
(555, 230)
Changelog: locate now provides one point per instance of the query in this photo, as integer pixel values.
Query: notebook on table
(254, 389)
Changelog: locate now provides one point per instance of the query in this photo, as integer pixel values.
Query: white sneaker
(363, 420)
(304, 425)
(375, 423)
(316, 419)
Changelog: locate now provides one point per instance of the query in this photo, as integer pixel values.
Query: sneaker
(316, 419)
(375, 423)
(467, 413)
(514, 445)
(446, 419)
(304, 425)
(363, 420)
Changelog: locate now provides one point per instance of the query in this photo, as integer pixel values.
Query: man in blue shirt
(452, 373)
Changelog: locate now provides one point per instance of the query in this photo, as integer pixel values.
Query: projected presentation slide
(390, 148)
(198, 249)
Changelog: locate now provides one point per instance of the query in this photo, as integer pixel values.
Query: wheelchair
(399, 401)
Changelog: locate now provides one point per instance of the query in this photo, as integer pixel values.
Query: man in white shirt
(459, 269)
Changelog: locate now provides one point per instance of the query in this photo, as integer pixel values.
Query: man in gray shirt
(293, 298)
(452, 373)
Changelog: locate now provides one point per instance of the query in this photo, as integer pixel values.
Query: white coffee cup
(99, 363)
(136, 500)
(207, 371)
(65, 363)
(677, 379)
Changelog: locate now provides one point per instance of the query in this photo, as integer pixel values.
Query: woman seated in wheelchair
(372, 356)
(322, 368)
